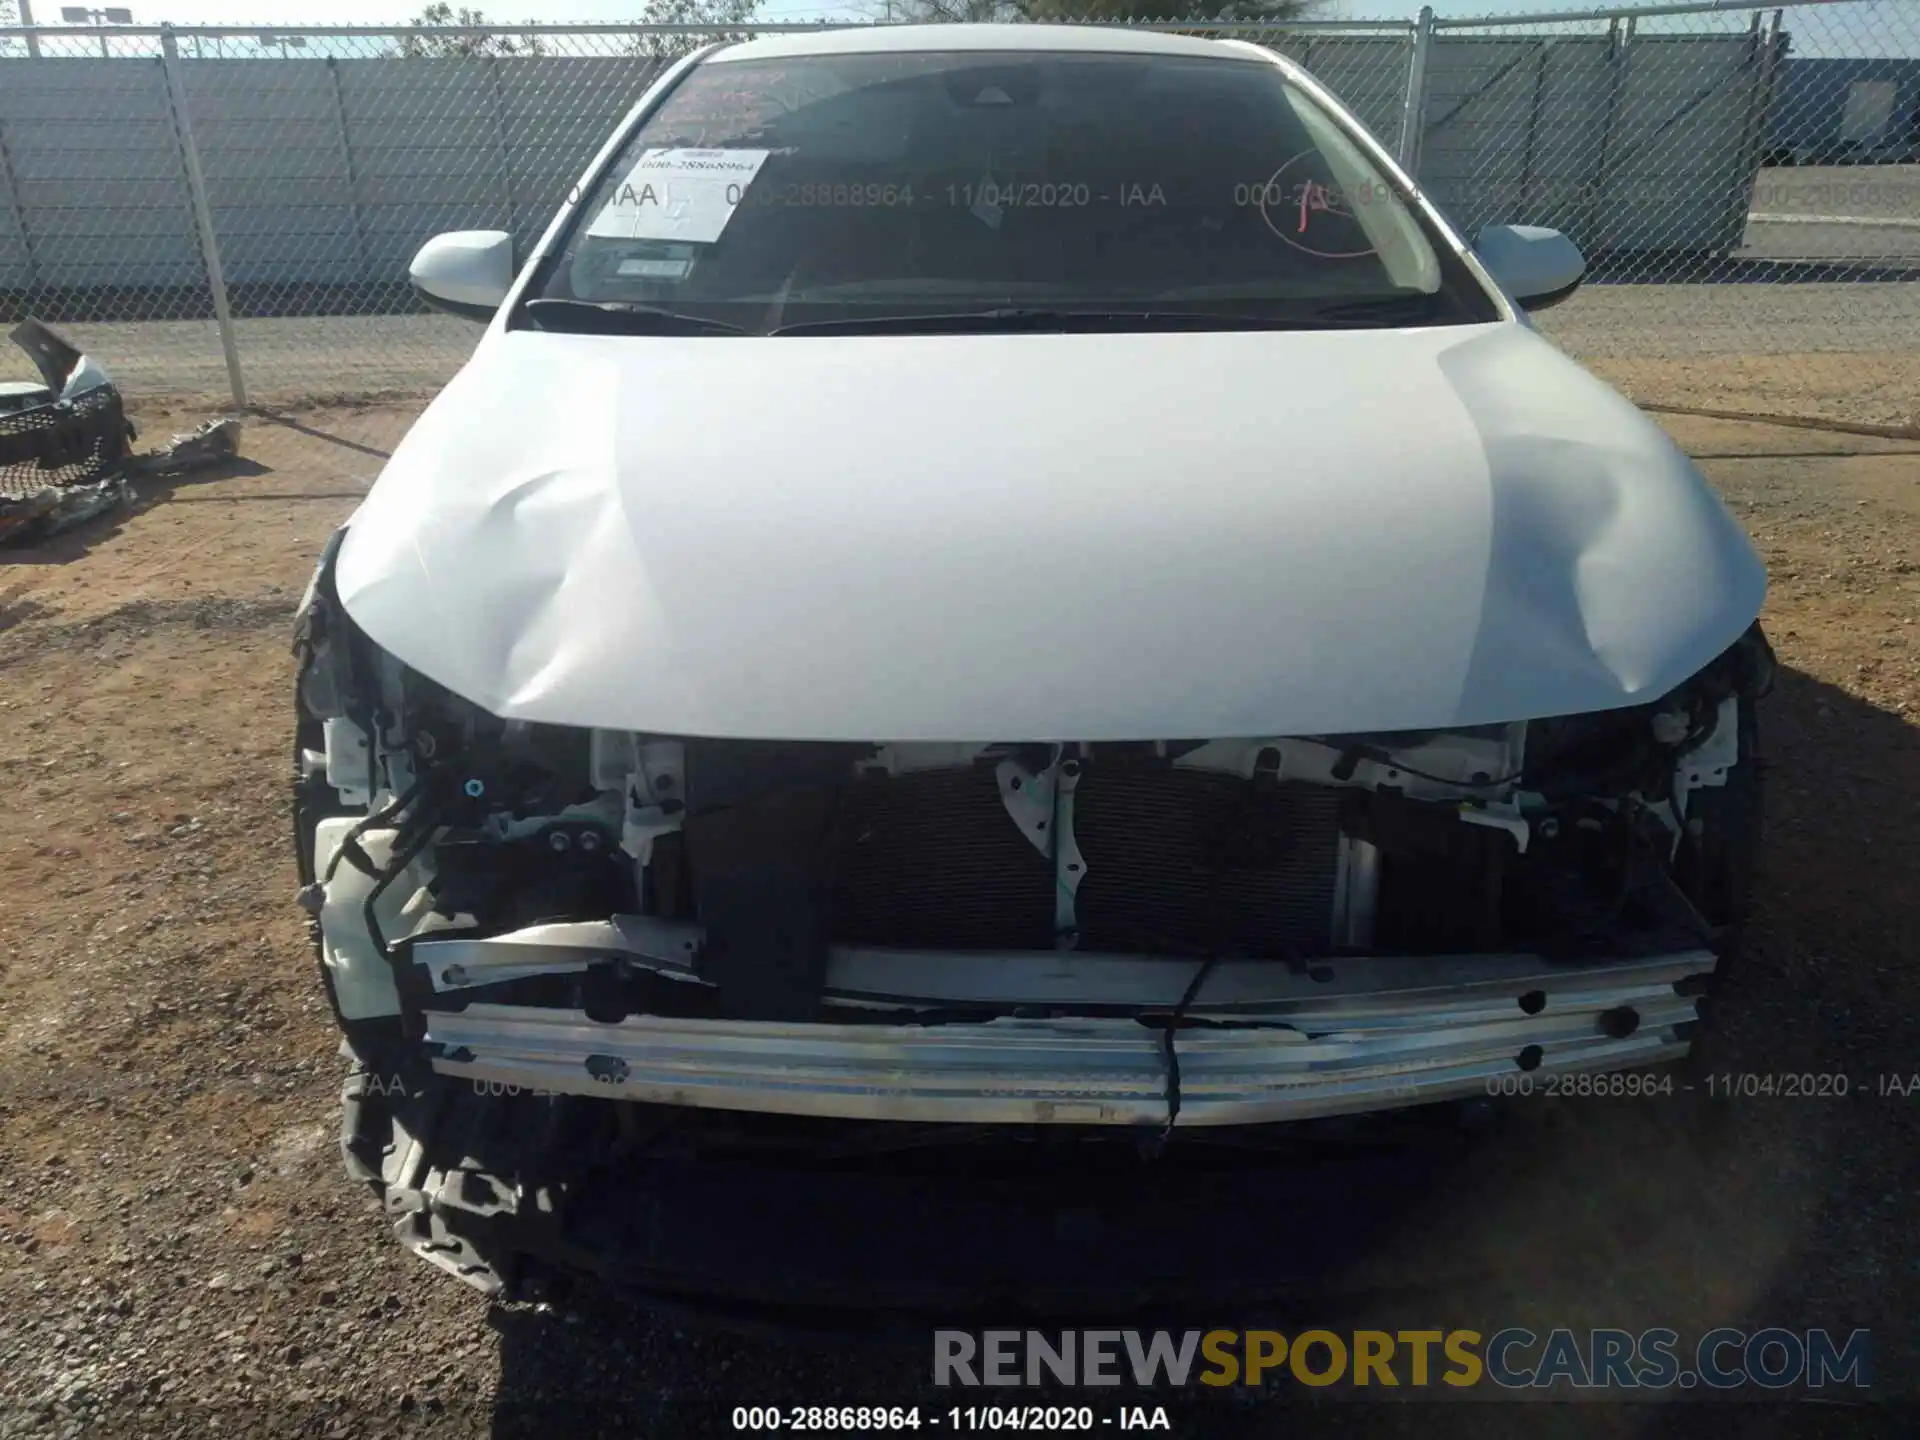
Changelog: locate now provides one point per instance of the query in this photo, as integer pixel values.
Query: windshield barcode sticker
(685, 195)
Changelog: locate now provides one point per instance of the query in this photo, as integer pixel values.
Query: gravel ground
(1848, 353)
(180, 1251)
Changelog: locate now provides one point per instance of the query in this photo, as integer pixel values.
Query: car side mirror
(1537, 266)
(464, 272)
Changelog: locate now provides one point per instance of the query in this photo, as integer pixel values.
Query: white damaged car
(992, 581)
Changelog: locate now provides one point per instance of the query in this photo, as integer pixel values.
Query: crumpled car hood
(1043, 537)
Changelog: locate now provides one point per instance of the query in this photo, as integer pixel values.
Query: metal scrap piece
(214, 442)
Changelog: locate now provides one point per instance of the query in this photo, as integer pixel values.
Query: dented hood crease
(1043, 536)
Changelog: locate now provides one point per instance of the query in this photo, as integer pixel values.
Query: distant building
(1827, 111)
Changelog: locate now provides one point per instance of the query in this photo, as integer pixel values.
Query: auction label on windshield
(685, 195)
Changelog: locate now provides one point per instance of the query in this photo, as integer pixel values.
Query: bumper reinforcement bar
(1307, 1048)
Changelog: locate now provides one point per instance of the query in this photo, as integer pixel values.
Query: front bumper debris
(63, 444)
(492, 1163)
(1260, 1044)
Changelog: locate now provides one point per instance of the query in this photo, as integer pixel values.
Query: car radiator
(1177, 862)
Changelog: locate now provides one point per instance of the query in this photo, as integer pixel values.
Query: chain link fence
(1805, 303)
(219, 219)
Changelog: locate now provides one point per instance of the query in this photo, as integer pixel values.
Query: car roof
(894, 39)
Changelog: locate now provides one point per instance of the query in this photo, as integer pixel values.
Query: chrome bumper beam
(873, 977)
(1352, 1035)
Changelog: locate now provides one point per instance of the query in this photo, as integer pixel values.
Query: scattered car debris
(59, 507)
(63, 443)
(214, 442)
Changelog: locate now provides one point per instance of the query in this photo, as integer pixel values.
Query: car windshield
(965, 190)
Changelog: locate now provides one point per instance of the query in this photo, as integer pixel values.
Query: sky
(1856, 27)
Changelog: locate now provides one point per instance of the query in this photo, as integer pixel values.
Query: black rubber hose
(403, 856)
(373, 818)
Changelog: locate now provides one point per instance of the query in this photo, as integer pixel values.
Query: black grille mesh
(1152, 840)
(67, 442)
(934, 860)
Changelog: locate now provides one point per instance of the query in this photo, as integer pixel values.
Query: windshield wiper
(620, 317)
(1380, 310)
(1019, 318)
(1375, 312)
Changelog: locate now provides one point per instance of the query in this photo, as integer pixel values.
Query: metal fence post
(363, 261)
(1524, 205)
(26, 19)
(18, 212)
(1753, 138)
(1414, 109)
(202, 211)
(503, 152)
(1619, 56)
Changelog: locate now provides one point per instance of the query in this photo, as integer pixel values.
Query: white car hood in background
(1030, 537)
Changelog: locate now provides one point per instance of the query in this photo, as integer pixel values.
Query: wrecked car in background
(63, 439)
(1026, 584)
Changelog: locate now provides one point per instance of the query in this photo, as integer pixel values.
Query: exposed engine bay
(1188, 933)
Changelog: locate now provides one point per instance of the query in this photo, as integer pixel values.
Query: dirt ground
(179, 1247)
